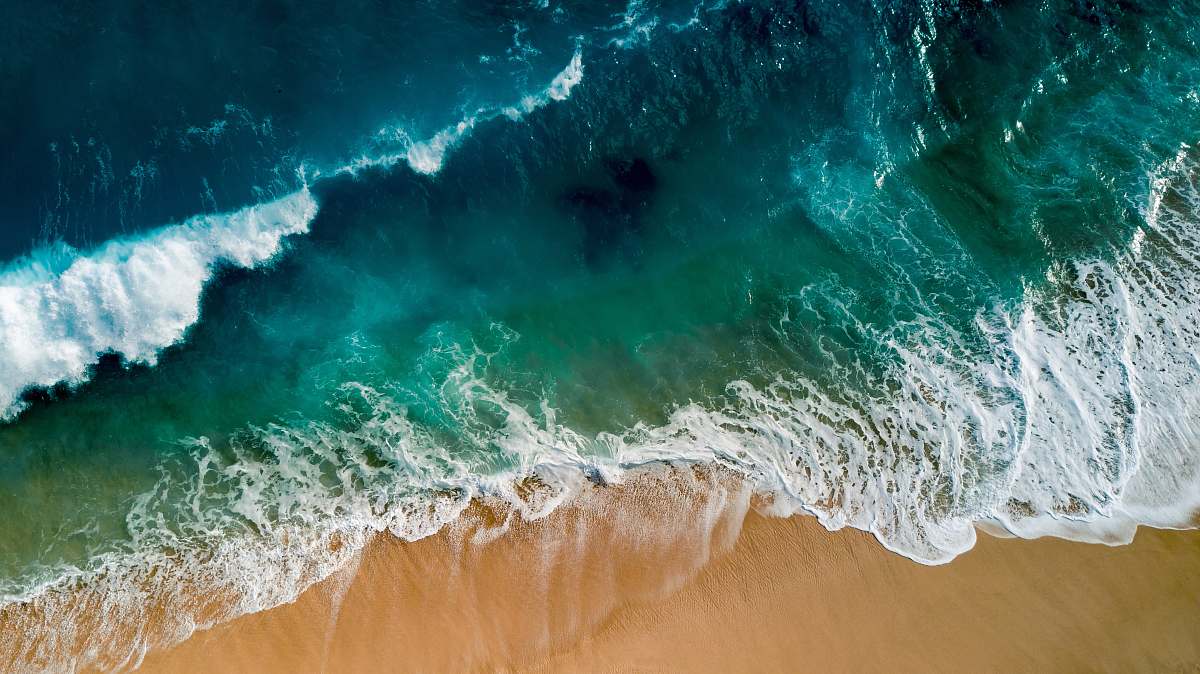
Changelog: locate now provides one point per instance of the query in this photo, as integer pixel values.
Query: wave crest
(60, 310)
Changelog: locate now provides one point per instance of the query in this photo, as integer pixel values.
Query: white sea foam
(61, 309)
(426, 156)
(635, 26)
(558, 90)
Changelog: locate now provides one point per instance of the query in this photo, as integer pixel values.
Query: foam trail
(60, 309)
(426, 156)
(559, 89)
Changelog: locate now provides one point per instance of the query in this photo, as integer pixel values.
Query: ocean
(278, 276)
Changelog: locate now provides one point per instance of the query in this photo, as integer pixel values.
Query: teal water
(911, 267)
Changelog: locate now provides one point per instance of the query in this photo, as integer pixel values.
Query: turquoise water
(911, 267)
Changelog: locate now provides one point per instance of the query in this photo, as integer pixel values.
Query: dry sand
(664, 574)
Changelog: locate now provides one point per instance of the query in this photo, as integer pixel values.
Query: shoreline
(677, 570)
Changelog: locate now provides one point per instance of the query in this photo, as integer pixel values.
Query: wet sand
(681, 574)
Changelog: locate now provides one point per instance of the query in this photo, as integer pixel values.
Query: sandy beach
(679, 572)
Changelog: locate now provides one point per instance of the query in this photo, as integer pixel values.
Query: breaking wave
(60, 309)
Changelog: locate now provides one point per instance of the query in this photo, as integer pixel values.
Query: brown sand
(653, 576)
